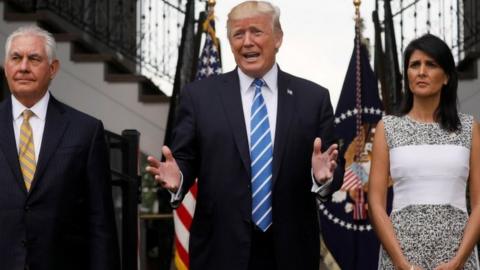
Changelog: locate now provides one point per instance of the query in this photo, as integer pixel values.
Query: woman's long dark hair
(446, 113)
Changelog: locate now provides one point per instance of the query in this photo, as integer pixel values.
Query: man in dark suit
(56, 209)
(252, 137)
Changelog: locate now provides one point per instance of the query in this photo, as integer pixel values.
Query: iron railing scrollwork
(471, 26)
(455, 21)
(124, 163)
(146, 32)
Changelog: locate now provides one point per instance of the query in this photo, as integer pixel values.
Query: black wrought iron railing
(146, 32)
(124, 153)
(471, 26)
(455, 21)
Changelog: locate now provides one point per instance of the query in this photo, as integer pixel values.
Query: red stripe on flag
(350, 180)
(193, 189)
(186, 219)
(182, 252)
(184, 216)
(359, 212)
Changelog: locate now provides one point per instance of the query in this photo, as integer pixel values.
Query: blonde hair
(250, 9)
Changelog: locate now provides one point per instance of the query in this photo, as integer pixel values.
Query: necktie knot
(258, 83)
(27, 114)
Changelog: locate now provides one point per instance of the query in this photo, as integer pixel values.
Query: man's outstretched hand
(323, 164)
(167, 173)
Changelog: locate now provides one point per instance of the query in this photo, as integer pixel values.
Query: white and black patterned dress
(429, 167)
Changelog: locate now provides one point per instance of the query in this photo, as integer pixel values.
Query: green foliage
(149, 189)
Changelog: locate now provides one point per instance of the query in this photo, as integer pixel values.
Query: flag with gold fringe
(349, 241)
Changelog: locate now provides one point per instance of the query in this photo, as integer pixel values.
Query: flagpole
(358, 79)
(358, 106)
(211, 4)
(345, 218)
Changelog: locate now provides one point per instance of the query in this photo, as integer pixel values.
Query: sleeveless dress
(429, 167)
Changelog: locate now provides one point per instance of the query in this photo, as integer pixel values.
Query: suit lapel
(7, 141)
(232, 102)
(55, 125)
(285, 111)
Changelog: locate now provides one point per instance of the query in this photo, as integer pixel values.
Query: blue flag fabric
(209, 62)
(346, 229)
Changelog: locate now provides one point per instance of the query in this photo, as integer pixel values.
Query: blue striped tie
(261, 154)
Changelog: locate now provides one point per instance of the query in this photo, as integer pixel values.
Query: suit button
(27, 208)
(24, 242)
(26, 267)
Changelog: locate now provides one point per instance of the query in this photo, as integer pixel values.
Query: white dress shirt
(270, 95)
(37, 121)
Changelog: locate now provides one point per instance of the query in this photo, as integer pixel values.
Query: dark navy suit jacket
(66, 220)
(210, 142)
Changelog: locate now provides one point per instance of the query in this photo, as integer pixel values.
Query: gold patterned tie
(26, 150)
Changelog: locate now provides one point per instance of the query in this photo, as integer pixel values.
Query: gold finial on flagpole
(358, 18)
(357, 4)
(211, 3)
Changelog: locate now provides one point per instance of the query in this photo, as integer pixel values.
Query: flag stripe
(182, 256)
(181, 232)
(350, 180)
(184, 215)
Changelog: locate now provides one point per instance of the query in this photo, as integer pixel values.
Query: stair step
(116, 77)
(116, 71)
(66, 37)
(149, 93)
(20, 16)
(153, 98)
(91, 57)
(467, 68)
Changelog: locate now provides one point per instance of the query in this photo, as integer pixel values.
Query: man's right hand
(167, 173)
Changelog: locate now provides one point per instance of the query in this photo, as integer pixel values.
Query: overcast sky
(317, 42)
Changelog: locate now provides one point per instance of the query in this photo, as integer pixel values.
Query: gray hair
(250, 9)
(34, 30)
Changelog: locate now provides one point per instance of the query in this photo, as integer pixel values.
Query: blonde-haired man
(252, 137)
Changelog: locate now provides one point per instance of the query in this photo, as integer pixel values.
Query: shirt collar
(39, 109)
(270, 79)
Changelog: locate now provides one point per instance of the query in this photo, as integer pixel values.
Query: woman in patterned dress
(432, 153)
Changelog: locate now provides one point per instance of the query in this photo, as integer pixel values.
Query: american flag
(208, 64)
(351, 180)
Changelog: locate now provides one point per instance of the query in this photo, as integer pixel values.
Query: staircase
(96, 81)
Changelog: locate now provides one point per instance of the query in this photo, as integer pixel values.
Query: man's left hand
(323, 164)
